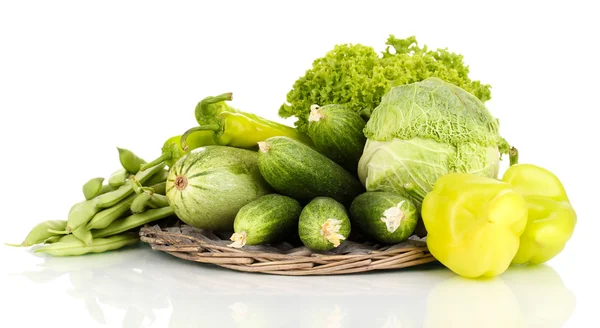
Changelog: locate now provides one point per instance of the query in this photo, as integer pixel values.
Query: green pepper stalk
(206, 111)
(243, 130)
(209, 107)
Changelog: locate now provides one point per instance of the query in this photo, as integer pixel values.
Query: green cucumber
(267, 219)
(387, 217)
(323, 224)
(337, 132)
(298, 171)
(208, 186)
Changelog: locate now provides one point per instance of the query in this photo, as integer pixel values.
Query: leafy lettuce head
(422, 131)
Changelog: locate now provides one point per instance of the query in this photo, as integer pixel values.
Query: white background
(79, 78)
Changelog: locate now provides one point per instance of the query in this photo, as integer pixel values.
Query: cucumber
(208, 186)
(298, 171)
(267, 219)
(387, 217)
(323, 224)
(337, 132)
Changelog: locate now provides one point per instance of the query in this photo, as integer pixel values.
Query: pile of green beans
(106, 220)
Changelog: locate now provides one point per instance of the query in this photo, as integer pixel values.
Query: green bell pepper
(551, 217)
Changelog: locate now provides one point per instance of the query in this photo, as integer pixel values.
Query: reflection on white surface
(141, 282)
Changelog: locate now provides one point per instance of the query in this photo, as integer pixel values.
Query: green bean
(52, 239)
(81, 213)
(118, 178)
(69, 247)
(158, 178)
(133, 221)
(158, 201)
(40, 233)
(140, 202)
(130, 161)
(92, 188)
(105, 217)
(107, 188)
(83, 234)
(160, 188)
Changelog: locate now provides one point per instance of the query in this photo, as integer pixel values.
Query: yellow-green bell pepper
(474, 224)
(551, 219)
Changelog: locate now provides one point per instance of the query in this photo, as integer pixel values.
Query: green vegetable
(92, 188)
(130, 161)
(160, 177)
(210, 107)
(337, 133)
(160, 188)
(354, 75)
(83, 234)
(105, 217)
(118, 178)
(207, 187)
(133, 221)
(82, 212)
(474, 224)
(384, 216)
(267, 219)
(423, 131)
(140, 202)
(172, 151)
(69, 246)
(39, 234)
(323, 224)
(551, 217)
(300, 172)
(241, 130)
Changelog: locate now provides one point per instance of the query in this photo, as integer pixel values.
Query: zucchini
(337, 133)
(267, 219)
(387, 217)
(208, 186)
(298, 171)
(323, 224)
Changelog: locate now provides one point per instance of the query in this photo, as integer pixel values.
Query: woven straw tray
(203, 246)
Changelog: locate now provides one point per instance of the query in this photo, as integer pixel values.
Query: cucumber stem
(239, 239)
(208, 127)
(330, 230)
(315, 113)
(263, 146)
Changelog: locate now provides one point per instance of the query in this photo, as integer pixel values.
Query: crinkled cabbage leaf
(424, 130)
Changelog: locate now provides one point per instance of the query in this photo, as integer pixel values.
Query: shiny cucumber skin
(268, 219)
(370, 211)
(298, 171)
(337, 132)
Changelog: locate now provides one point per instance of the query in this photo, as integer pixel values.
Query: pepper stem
(208, 127)
(513, 156)
(167, 156)
(203, 109)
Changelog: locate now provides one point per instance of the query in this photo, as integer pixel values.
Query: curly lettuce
(356, 76)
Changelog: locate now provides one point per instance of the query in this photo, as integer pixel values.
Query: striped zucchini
(207, 187)
(337, 133)
(267, 219)
(300, 172)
